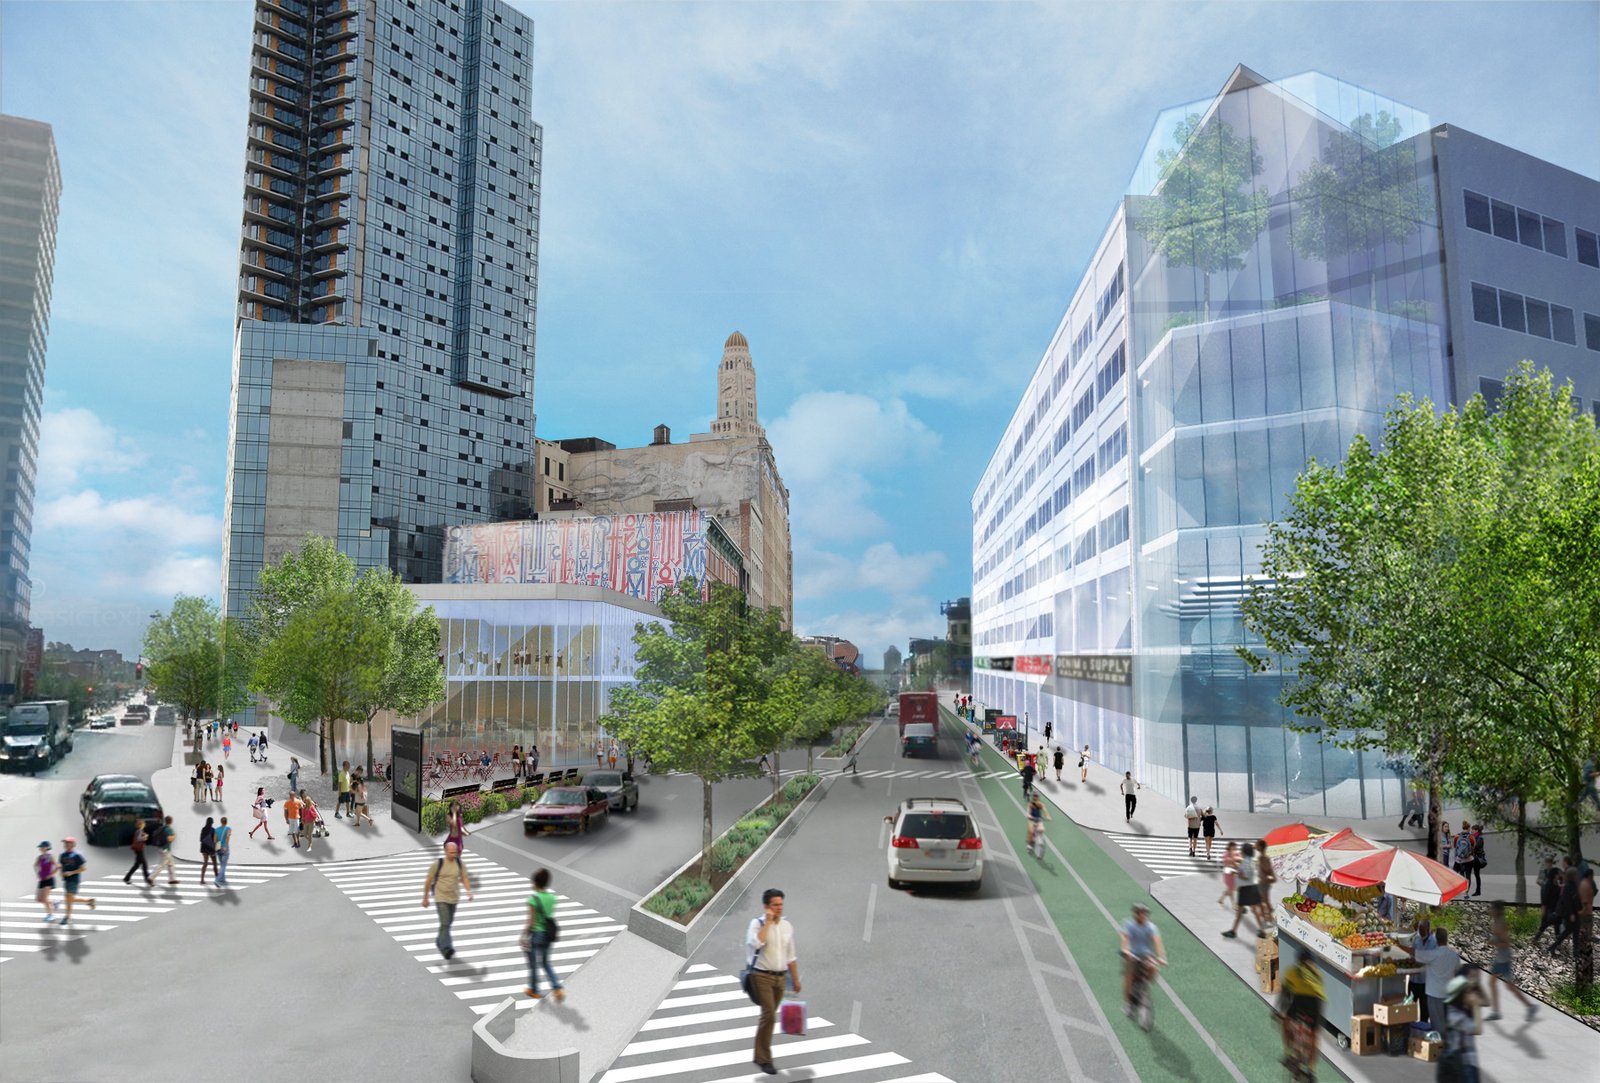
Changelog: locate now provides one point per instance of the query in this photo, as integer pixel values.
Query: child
(1230, 873)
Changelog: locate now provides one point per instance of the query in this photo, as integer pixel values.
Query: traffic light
(138, 671)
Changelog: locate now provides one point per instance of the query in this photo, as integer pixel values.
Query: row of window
(1108, 298)
(1526, 315)
(1528, 228)
(1112, 371)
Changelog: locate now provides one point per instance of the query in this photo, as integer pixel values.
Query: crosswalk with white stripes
(1168, 855)
(23, 930)
(703, 1031)
(489, 962)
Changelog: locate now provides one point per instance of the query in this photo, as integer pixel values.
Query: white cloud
(74, 442)
(147, 516)
(176, 574)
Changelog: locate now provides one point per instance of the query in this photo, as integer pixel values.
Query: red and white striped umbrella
(1403, 873)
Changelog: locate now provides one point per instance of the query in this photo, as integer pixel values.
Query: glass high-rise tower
(30, 197)
(384, 353)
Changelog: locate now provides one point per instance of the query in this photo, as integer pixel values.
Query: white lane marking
(786, 1050)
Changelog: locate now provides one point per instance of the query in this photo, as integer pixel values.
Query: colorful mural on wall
(642, 555)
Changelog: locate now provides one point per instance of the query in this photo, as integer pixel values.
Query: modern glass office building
(1289, 258)
(384, 357)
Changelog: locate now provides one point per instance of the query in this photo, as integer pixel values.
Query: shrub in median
(494, 804)
(435, 817)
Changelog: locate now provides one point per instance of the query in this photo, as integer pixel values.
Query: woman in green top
(536, 938)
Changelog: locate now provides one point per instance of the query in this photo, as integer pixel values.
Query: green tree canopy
(704, 699)
(331, 645)
(1207, 209)
(197, 659)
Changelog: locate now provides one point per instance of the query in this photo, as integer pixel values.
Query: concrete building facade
(30, 199)
(731, 473)
(390, 242)
(1290, 257)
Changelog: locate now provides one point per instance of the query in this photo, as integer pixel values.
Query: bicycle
(1141, 1005)
(1036, 843)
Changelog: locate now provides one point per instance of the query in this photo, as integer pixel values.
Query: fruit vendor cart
(1347, 942)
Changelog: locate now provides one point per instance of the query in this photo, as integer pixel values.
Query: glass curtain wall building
(1274, 278)
(391, 208)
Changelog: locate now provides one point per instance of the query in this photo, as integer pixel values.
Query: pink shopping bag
(792, 1017)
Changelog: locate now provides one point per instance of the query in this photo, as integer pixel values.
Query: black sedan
(618, 786)
(565, 808)
(111, 806)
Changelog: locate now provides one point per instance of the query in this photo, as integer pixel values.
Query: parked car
(566, 808)
(919, 739)
(935, 840)
(112, 804)
(618, 786)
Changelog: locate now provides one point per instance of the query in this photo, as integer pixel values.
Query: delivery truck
(919, 707)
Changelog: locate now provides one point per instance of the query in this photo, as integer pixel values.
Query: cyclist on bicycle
(1142, 951)
(1037, 815)
(1301, 1002)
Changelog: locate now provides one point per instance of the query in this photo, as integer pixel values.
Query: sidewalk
(1508, 1049)
(1097, 805)
(383, 838)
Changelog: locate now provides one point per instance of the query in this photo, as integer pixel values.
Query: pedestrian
(770, 943)
(516, 761)
(456, 827)
(258, 809)
(208, 849)
(1130, 796)
(291, 816)
(198, 780)
(1445, 846)
(1266, 876)
(1423, 938)
(224, 839)
(308, 821)
(261, 745)
(221, 770)
(1061, 760)
(137, 843)
(44, 866)
(1440, 964)
(851, 763)
(600, 752)
(211, 781)
(252, 748)
(343, 781)
(1083, 764)
(1479, 857)
(227, 746)
(1500, 967)
(446, 881)
(1230, 873)
(1208, 828)
(166, 835)
(539, 935)
(1458, 1025)
(294, 774)
(1461, 852)
(72, 864)
(533, 751)
(1567, 907)
(1049, 731)
(236, 726)
(358, 800)
(1191, 819)
(1028, 773)
(1247, 895)
(613, 752)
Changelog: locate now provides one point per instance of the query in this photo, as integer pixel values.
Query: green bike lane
(1208, 1024)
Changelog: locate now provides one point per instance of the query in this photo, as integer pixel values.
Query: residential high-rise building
(384, 352)
(30, 197)
(1289, 258)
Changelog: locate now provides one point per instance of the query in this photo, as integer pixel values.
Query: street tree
(1207, 208)
(702, 702)
(333, 645)
(196, 659)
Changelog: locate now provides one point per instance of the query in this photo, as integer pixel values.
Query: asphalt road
(45, 806)
(977, 986)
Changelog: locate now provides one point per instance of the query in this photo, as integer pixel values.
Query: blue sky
(893, 201)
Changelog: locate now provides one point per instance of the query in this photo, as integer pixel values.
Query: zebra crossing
(489, 962)
(702, 1033)
(1167, 855)
(963, 773)
(23, 930)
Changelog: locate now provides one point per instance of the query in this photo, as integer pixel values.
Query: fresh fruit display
(1378, 970)
(1363, 941)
